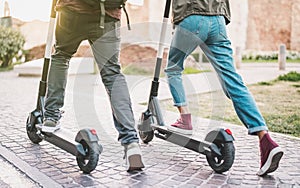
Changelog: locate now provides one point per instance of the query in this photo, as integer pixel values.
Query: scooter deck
(186, 141)
(65, 140)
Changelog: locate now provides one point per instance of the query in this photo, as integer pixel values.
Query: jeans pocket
(67, 21)
(191, 24)
(222, 27)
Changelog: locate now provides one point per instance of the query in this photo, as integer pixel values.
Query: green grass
(296, 85)
(135, 70)
(192, 70)
(265, 83)
(6, 69)
(269, 61)
(291, 76)
(10, 67)
(283, 123)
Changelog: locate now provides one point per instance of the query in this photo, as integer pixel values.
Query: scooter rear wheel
(89, 162)
(146, 136)
(32, 130)
(222, 163)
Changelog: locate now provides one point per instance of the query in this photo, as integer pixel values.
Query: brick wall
(270, 24)
(295, 33)
(256, 24)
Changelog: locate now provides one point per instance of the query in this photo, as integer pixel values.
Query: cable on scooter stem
(51, 27)
(50, 30)
(47, 56)
(162, 40)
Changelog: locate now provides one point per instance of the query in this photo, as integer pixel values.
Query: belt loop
(102, 17)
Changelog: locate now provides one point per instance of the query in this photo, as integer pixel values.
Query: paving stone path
(167, 165)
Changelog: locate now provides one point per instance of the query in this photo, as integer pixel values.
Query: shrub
(291, 76)
(11, 43)
(135, 70)
(269, 55)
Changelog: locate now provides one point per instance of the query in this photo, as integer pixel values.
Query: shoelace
(179, 121)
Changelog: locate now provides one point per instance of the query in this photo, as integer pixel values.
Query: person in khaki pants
(77, 21)
(203, 24)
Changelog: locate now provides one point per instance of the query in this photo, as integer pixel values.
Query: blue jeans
(71, 30)
(209, 33)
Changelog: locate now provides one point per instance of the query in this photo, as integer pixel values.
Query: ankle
(261, 134)
(183, 110)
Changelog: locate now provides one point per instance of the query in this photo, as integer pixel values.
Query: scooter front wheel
(32, 130)
(146, 136)
(224, 162)
(88, 162)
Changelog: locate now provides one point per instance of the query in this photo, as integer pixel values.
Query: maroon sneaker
(270, 153)
(183, 125)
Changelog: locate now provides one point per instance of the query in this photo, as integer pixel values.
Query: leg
(66, 45)
(219, 51)
(106, 51)
(184, 42)
(174, 75)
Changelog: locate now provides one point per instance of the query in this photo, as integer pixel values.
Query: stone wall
(237, 29)
(146, 22)
(270, 24)
(295, 33)
(256, 24)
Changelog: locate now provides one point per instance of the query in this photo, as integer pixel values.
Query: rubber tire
(146, 137)
(92, 157)
(228, 153)
(35, 138)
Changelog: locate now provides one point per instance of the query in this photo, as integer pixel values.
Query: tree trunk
(5, 63)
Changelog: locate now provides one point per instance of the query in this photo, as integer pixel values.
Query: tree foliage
(11, 42)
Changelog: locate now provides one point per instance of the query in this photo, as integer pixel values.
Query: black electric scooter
(85, 146)
(218, 146)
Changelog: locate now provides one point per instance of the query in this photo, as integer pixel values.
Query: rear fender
(219, 135)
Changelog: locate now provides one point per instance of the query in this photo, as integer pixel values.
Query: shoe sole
(134, 159)
(50, 129)
(181, 131)
(135, 163)
(272, 162)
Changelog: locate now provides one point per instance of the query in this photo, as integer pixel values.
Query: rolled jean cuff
(254, 130)
(180, 104)
(127, 142)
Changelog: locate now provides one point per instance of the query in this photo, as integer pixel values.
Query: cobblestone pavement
(10, 176)
(167, 165)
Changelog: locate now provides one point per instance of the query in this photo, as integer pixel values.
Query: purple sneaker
(183, 125)
(270, 153)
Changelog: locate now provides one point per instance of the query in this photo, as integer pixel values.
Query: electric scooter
(85, 146)
(218, 145)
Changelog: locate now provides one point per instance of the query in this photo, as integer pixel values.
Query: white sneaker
(50, 126)
(133, 156)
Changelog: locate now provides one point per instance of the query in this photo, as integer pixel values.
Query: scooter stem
(47, 56)
(159, 57)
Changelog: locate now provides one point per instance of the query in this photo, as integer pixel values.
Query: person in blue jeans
(78, 20)
(203, 24)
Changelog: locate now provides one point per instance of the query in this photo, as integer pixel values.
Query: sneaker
(133, 156)
(50, 125)
(270, 153)
(183, 125)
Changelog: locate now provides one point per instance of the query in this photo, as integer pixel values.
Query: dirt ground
(278, 102)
